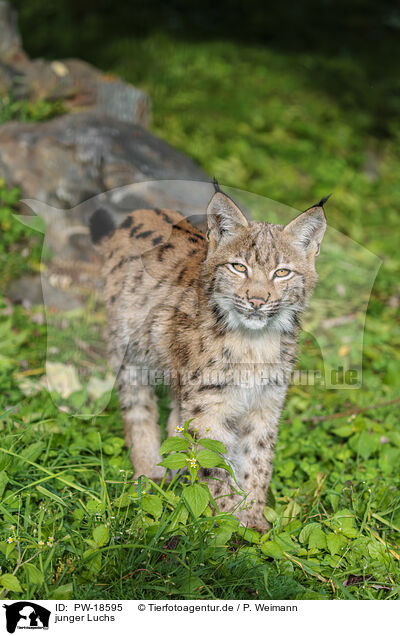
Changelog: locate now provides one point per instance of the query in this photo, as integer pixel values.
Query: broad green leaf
(365, 443)
(335, 543)
(213, 445)
(95, 507)
(123, 500)
(196, 498)
(287, 544)
(174, 444)
(248, 534)
(208, 459)
(101, 535)
(3, 481)
(317, 539)
(63, 592)
(174, 461)
(34, 574)
(272, 549)
(10, 582)
(153, 505)
(270, 514)
(306, 531)
(344, 431)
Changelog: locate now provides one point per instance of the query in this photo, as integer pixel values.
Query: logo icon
(26, 615)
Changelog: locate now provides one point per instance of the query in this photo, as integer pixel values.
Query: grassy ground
(253, 118)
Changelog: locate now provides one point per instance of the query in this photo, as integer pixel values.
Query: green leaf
(50, 495)
(221, 535)
(365, 444)
(33, 573)
(3, 481)
(344, 431)
(270, 514)
(10, 582)
(174, 461)
(153, 505)
(63, 592)
(197, 498)
(317, 539)
(208, 459)
(291, 511)
(306, 531)
(213, 445)
(248, 534)
(272, 549)
(101, 535)
(179, 515)
(335, 543)
(174, 444)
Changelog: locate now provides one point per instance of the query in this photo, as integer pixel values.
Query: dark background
(365, 32)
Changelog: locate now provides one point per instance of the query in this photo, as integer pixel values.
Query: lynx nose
(257, 303)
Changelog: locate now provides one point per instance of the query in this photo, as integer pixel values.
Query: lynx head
(260, 275)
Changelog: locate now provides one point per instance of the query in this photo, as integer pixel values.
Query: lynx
(217, 317)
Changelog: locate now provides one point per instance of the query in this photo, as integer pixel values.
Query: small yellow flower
(41, 543)
(143, 492)
(49, 543)
(10, 539)
(179, 429)
(12, 527)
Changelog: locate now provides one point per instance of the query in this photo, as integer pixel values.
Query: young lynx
(215, 316)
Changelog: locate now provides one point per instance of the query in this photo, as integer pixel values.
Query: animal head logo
(26, 615)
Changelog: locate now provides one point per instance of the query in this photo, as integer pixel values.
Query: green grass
(253, 118)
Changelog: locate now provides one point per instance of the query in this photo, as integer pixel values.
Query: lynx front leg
(211, 421)
(142, 431)
(258, 436)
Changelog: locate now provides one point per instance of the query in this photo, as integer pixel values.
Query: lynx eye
(239, 267)
(281, 273)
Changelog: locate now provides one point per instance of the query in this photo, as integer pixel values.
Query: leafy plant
(12, 109)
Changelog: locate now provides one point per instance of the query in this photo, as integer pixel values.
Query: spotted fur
(225, 340)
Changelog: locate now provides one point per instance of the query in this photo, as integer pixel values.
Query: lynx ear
(307, 230)
(223, 217)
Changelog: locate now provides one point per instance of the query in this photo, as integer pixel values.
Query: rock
(79, 85)
(71, 158)
(10, 40)
(70, 166)
(99, 154)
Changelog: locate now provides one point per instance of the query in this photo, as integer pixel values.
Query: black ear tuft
(321, 203)
(101, 225)
(216, 185)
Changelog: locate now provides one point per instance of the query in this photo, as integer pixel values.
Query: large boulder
(98, 154)
(69, 166)
(71, 158)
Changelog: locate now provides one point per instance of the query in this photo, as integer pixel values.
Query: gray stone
(71, 158)
(10, 40)
(70, 166)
